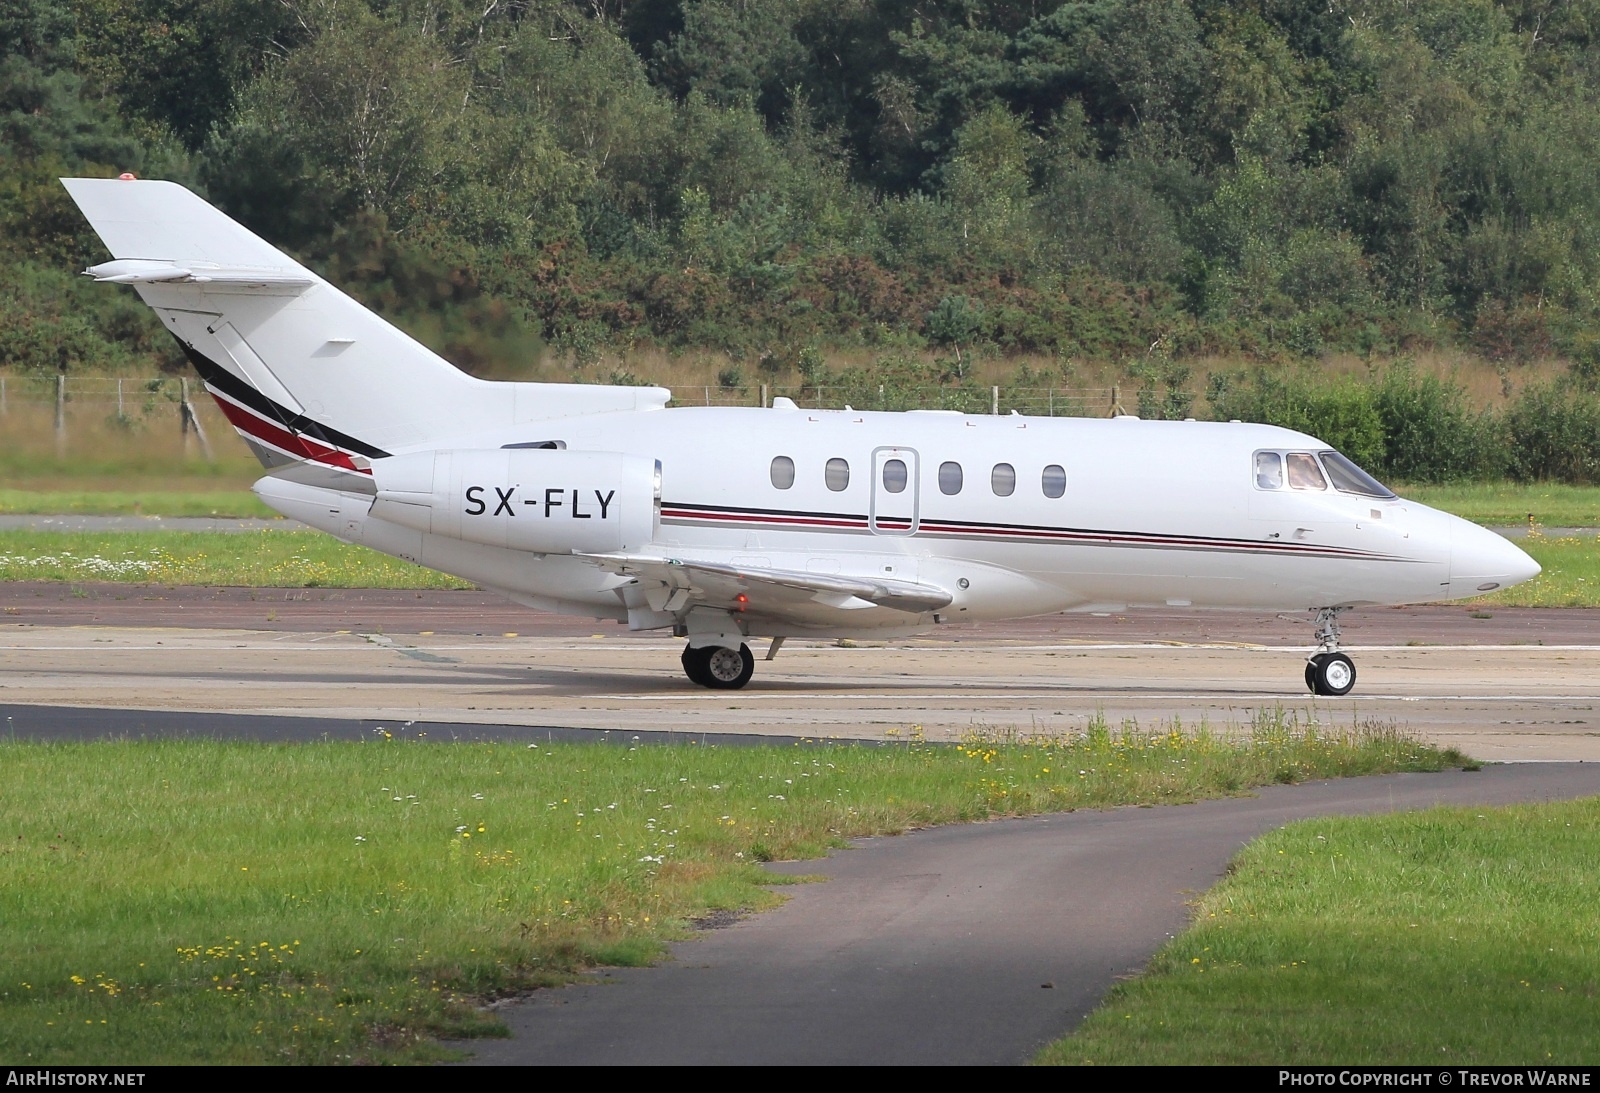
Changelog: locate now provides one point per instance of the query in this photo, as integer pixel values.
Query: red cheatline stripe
(1037, 534)
(278, 437)
(756, 518)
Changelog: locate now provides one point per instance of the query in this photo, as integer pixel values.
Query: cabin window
(1349, 478)
(1269, 471)
(1304, 474)
(894, 476)
(782, 471)
(949, 479)
(1054, 480)
(1003, 479)
(837, 474)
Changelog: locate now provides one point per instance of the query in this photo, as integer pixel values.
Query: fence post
(188, 420)
(120, 414)
(2, 396)
(764, 403)
(994, 402)
(61, 415)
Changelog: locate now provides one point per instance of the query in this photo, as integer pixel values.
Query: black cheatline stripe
(975, 527)
(241, 392)
(748, 511)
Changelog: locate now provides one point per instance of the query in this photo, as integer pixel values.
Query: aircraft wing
(673, 584)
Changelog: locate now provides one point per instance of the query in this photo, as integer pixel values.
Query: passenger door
(896, 474)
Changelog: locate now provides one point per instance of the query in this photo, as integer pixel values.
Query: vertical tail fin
(300, 369)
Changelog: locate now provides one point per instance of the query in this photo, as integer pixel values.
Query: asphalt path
(81, 724)
(1502, 684)
(973, 944)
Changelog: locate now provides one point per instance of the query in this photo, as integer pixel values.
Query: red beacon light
(127, 176)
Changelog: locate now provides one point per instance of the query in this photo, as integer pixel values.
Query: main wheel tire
(728, 669)
(694, 665)
(1331, 674)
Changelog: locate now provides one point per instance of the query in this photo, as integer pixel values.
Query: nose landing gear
(1329, 672)
(718, 667)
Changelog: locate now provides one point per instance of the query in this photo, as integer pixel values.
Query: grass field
(138, 497)
(217, 902)
(1447, 936)
(1571, 575)
(1509, 504)
(257, 559)
(310, 559)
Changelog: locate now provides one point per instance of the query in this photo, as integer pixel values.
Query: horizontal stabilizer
(142, 271)
(163, 222)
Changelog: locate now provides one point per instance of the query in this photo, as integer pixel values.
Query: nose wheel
(1330, 674)
(718, 667)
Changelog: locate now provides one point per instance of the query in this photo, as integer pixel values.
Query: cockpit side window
(1269, 471)
(1304, 474)
(1349, 478)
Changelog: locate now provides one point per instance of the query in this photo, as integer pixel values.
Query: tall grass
(99, 443)
(202, 901)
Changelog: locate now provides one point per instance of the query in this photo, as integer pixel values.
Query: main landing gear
(1329, 673)
(718, 667)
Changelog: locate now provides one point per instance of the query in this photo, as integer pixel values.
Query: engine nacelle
(546, 501)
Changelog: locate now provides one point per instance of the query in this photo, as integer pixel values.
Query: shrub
(1430, 434)
(1342, 413)
(1553, 432)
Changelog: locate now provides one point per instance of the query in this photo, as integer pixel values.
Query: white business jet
(724, 524)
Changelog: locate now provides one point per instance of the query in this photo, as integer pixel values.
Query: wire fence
(84, 408)
(1034, 401)
(77, 410)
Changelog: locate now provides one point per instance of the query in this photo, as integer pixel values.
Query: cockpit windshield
(1305, 471)
(1349, 478)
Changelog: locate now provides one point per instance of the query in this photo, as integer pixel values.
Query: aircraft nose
(1482, 561)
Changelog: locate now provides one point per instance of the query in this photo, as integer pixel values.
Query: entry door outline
(895, 513)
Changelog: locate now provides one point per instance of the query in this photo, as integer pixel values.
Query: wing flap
(721, 584)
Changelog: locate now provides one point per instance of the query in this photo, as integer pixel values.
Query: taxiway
(1501, 684)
